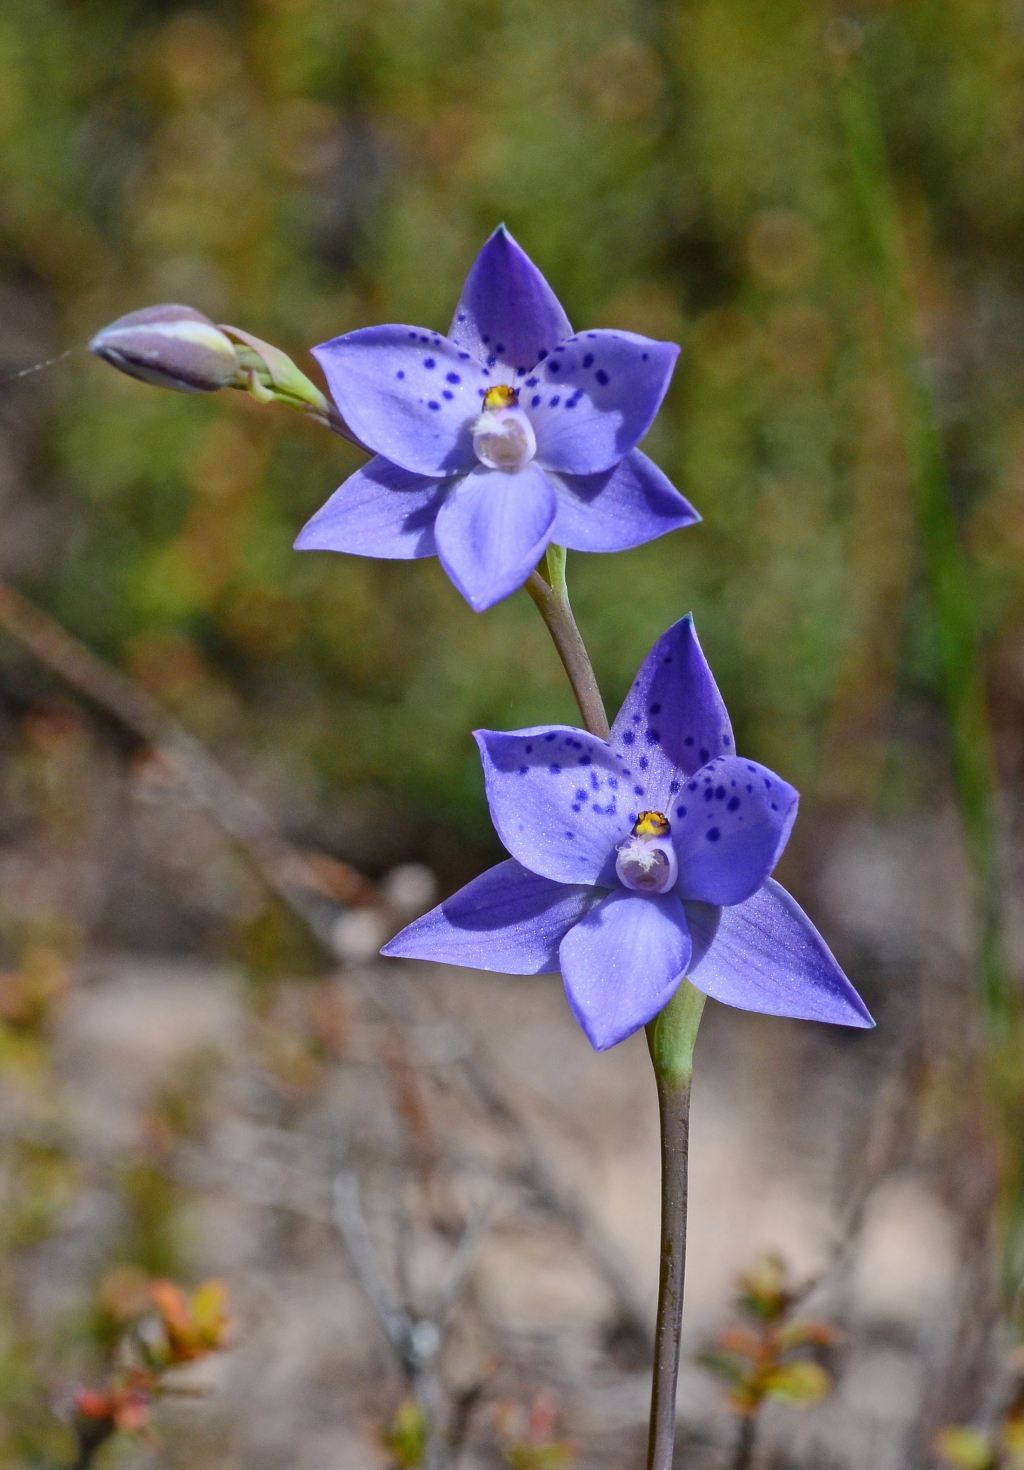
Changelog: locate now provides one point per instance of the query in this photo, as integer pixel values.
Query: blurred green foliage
(305, 167)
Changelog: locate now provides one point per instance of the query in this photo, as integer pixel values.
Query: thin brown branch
(291, 874)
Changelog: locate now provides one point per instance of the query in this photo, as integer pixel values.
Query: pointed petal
(508, 314)
(410, 395)
(730, 823)
(673, 720)
(555, 800)
(767, 956)
(622, 963)
(381, 510)
(619, 508)
(594, 398)
(507, 920)
(492, 531)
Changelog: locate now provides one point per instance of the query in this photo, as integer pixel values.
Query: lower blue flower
(639, 860)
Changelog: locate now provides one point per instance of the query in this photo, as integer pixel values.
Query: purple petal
(673, 720)
(557, 800)
(593, 398)
(623, 962)
(767, 956)
(507, 920)
(491, 532)
(507, 314)
(381, 510)
(730, 822)
(619, 508)
(410, 395)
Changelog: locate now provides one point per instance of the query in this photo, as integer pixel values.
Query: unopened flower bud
(171, 346)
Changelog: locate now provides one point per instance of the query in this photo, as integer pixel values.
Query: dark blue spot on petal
(464, 356)
(523, 770)
(432, 404)
(691, 786)
(588, 361)
(638, 790)
(554, 368)
(726, 740)
(447, 393)
(688, 740)
(733, 804)
(680, 811)
(673, 787)
(542, 355)
(412, 336)
(527, 748)
(643, 763)
(653, 736)
(428, 362)
(581, 794)
(602, 377)
(586, 760)
(453, 378)
(628, 737)
(655, 709)
(644, 356)
(400, 373)
(535, 401)
(719, 793)
(532, 382)
(555, 770)
(712, 834)
(704, 754)
(551, 735)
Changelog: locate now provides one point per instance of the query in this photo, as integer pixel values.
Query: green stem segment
(551, 595)
(671, 1037)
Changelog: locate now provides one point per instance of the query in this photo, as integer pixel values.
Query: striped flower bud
(171, 346)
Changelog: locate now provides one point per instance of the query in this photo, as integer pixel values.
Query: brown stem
(552, 601)
(674, 1108)
(285, 869)
(744, 1455)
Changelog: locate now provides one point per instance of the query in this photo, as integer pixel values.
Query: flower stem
(671, 1037)
(552, 598)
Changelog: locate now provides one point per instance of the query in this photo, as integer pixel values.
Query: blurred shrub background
(301, 168)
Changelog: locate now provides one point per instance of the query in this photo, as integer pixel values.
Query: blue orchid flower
(639, 860)
(508, 434)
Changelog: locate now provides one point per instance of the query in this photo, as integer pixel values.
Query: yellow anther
(651, 824)
(501, 396)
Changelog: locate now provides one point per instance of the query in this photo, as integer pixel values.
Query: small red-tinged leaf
(806, 1334)
(966, 1449)
(742, 1342)
(798, 1384)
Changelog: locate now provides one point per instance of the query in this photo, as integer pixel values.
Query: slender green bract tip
(271, 376)
(672, 1034)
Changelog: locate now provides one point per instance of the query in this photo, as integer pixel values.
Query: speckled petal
(381, 510)
(593, 399)
(507, 920)
(410, 395)
(673, 720)
(492, 531)
(622, 507)
(623, 962)
(767, 956)
(507, 314)
(730, 822)
(557, 801)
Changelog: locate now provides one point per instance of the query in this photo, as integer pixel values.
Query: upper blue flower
(639, 860)
(509, 433)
